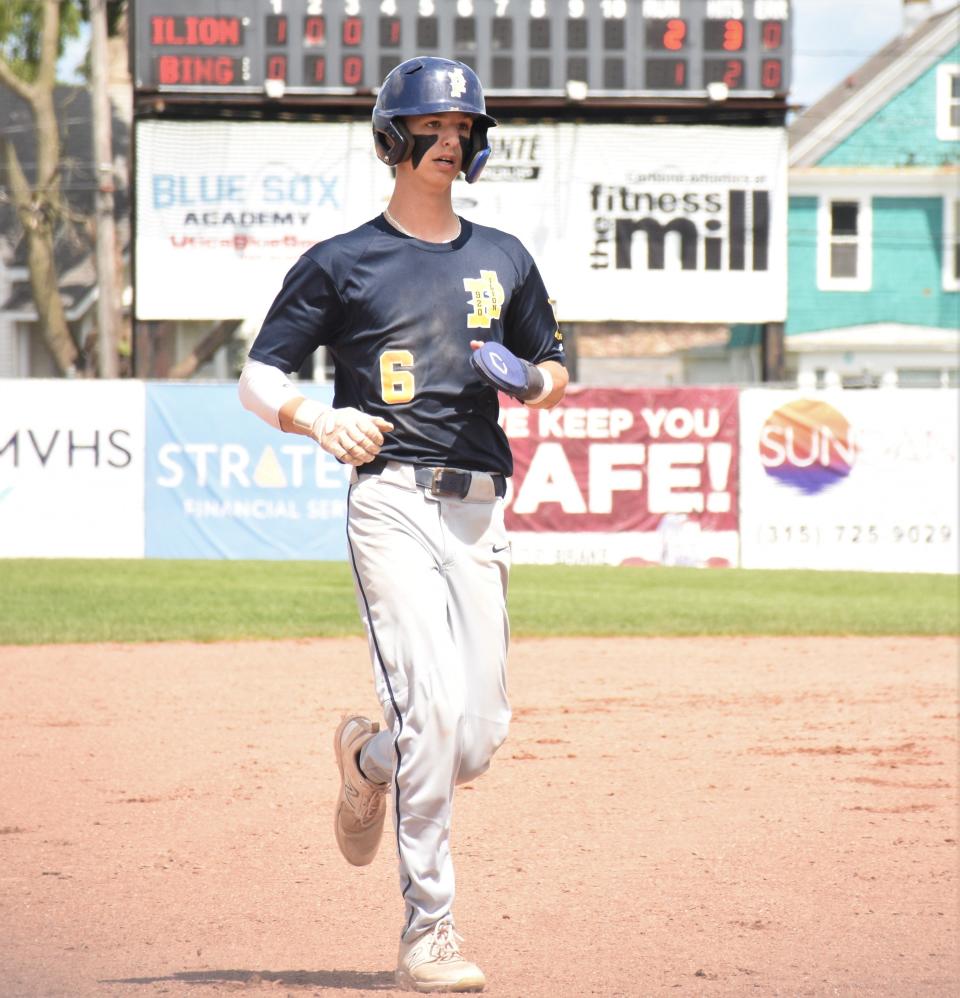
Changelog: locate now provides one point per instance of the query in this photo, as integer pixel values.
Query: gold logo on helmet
(486, 298)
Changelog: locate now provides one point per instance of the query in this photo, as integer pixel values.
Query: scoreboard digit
(518, 47)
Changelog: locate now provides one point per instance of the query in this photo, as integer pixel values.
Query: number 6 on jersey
(396, 376)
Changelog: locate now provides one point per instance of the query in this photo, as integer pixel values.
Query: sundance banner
(616, 476)
(850, 480)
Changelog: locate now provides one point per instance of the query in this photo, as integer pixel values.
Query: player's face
(438, 144)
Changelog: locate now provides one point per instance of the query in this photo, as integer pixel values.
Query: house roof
(824, 125)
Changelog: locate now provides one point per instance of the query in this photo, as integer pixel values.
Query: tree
(32, 34)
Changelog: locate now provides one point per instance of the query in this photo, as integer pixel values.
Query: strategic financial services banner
(849, 480)
(644, 222)
(71, 469)
(617, 476)
(221, 483)
(224, 208)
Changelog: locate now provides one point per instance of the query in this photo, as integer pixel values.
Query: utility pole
(108, 311)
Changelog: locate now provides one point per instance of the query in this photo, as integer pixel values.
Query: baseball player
(425, 315)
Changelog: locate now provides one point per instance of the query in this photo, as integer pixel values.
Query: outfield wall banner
(71, 469)
(625, 476)
(224, 208)
(860, 480)
(626, 222)
(221, 483)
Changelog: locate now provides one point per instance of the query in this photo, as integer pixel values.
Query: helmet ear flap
(477, 152)
(476, 165)
(393, 140)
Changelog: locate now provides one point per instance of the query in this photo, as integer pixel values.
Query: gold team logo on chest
(486, 298)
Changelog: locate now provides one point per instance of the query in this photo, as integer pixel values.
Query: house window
(948, 102)
(844, 254)
(951, 244)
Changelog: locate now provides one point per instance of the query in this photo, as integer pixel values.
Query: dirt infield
(670, 816)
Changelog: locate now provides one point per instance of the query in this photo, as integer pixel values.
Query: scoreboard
(606, 48)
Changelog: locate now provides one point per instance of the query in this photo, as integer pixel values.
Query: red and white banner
(618, 476)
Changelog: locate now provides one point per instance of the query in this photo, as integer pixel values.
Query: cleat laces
(366, 810)
(445, 945)
(365, 802)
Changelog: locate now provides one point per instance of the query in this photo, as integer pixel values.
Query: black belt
(442, 481)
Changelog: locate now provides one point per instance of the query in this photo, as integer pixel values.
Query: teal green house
(874, 220)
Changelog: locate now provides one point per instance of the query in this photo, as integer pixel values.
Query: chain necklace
(406, 232)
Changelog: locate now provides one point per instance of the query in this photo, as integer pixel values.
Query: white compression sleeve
(263, 389)
(547, 386)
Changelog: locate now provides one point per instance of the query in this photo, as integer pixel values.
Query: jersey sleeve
(306, 314)
(530, 329)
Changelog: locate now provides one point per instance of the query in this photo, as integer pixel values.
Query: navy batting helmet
(430, 85)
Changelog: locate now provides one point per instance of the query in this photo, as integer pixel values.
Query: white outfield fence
(603, 209)
(756, 478)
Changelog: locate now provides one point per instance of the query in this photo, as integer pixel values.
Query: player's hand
(351, 436)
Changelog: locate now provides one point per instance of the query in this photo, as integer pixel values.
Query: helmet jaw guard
(477, 159)
(430, 85)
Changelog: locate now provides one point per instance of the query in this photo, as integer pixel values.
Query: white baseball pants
(431, 580)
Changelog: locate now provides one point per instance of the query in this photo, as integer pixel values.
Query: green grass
(53, 601)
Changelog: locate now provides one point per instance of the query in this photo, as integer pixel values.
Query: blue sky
(831, 38)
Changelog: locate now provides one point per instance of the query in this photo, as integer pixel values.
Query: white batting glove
(349, 435)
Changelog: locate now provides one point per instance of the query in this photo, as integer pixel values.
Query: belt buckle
(450, 482)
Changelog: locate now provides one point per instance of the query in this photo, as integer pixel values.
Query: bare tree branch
(205, 349)
(49, 46)
(48, 131)
(19, 187)
(41, 262)
(39, 208)
(10, 79)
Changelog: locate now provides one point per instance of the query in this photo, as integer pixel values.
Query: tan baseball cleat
(433, 963)
(361, 806)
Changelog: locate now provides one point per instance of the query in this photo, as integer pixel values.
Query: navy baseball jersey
(398, 324)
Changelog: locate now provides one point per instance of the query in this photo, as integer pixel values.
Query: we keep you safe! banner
(614, 476)
(626, 222)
